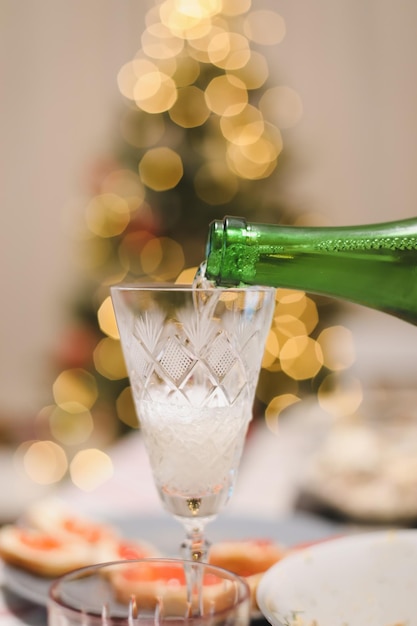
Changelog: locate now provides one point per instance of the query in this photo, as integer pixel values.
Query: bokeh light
(186, 277)
(126, 409)
(71, 429)
(281, 106)
(235, 7)
(187, 71)
(337, 346)
(159, 43)
(75, 390)
(255, 73)
(107, 319)
(125, 184)
(44, 462)
(276, 406)
(129, 252)
(301, 357)
(155, 92)
(186, 18)
(255, 160)
(107, 215)
(271, 350)
(265, 27)
(244, 128)
(230, 51)
(190, 109)
(108, 359)
(340, 395)
(161, 168)
(226, 95)
(91, 468)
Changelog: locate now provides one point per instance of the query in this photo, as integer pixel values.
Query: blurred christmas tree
(200, 138)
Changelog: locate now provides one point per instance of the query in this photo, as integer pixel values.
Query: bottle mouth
(221, 234)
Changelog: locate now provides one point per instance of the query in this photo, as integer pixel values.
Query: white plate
(368, 579)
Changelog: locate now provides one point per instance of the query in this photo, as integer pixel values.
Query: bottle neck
(373, 265)
(223, 235)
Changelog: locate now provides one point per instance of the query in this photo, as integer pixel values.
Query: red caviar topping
(163, 572)
(130, 551)
(39, 541)
(90, 532)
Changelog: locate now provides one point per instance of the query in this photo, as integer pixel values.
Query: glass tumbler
(151, 592)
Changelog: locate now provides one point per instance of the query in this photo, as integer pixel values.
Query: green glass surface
(373, 265)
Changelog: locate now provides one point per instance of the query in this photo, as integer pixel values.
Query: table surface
(18, 589)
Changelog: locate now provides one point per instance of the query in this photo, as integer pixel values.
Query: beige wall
(59, 101)
(353, 63)
(355, 66)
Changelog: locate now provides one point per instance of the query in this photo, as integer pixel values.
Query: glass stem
(195, 547)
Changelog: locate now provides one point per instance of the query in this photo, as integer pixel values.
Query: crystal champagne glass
(193, 357)
(149, 592)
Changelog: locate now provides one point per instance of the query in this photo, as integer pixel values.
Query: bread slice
(42, 553)
(248, 558)
(164, 585)
(54, 516)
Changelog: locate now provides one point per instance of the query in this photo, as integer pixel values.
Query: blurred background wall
(59, 62)
(353, 65)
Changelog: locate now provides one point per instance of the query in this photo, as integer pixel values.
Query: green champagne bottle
(372, 265)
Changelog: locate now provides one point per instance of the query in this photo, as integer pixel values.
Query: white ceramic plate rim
(362, 579)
